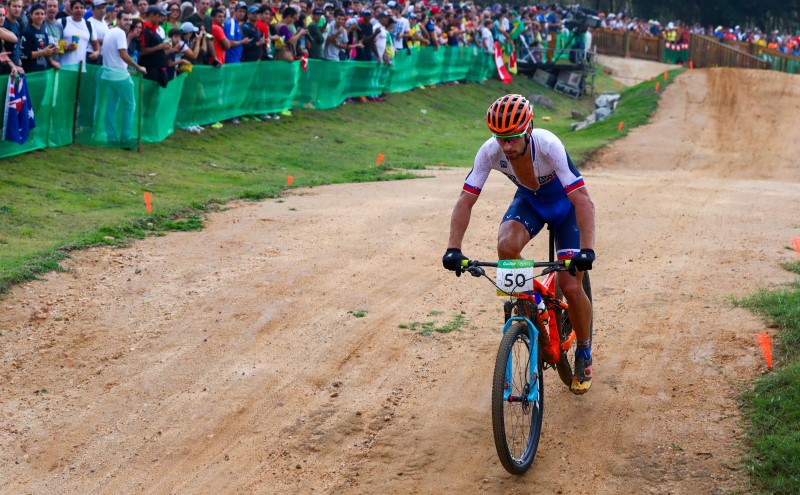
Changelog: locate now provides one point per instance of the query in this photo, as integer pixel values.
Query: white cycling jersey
(554, 170)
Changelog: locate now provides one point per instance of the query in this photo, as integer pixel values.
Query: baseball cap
(435, 10)
(188, 27)
(155, 9)
(253, 9)
(327, 6)
(382, 15)
(98, 3)
(366, 12)
(412, 16)
(241, 5)
(391, 4)
(317, 11)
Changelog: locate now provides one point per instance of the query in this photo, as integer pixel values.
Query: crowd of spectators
(162, 38)
(678, 32)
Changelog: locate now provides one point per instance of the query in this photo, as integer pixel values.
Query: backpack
(86, 21)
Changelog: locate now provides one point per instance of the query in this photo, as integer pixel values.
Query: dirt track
(230, 360)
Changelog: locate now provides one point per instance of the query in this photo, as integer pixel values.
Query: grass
(772, 406)
(427, 328)
(61, 199)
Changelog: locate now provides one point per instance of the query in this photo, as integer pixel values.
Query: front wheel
(516, 419)
(565, 365)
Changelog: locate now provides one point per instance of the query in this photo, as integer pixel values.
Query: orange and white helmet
(509, 115)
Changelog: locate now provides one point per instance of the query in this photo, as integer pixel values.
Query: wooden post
(626, 41)
(77, 98)
(139, 112)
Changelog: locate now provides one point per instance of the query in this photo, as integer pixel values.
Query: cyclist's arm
(584, 214)
(460, 218)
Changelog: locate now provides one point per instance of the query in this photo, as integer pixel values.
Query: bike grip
(464, 263)
(567, 263)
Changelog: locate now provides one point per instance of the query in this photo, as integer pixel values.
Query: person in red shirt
(220, 40)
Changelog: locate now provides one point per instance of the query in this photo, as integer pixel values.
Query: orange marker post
(289, 180)
(691, 64)
(606, 73)
(796, 245)
(619, 127)
(666, 75)
(765, 341)
(380, 158)
(657, 83)
(148, 202)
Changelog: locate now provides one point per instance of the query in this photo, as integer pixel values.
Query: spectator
(11, 23)
(415, 31)
(366, 37)
(381, 38)
(220, 41)
(267, 28)
(117, 82)
(316, 39)
(195, 40)
(141, 8)
(233, 33)
(173, 18)
(401, 33)
(187, 9)
(7, 41)
(110, 19)
(201, 18)
(154, 48)
(36, 50)
(336, 42)
(98, 27)
(289, 34)
(78, 35)
(65, 12)
(52, 25)
(487, 40)
(175, 55)
(254, 50)
(135, 38)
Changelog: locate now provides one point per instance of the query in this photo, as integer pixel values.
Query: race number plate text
(514, 276)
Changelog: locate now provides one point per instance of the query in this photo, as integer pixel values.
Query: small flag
(148, 202)
(512, 63)
(765, 342)
(666, 75)
(657, 83)
(18, 116)
(289, 180)
(304, 63)
(501, 67)
(796, 244)
(619, 127)
(691, 64)
(380, 158)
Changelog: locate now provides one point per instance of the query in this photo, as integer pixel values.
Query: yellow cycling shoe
(582, 379)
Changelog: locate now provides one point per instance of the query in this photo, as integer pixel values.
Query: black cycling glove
(452, 260)
(582, 261)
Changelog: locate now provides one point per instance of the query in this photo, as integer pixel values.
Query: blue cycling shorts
(533, 214)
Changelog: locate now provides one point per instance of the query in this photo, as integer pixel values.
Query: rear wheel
(565, 365)
(516, 421)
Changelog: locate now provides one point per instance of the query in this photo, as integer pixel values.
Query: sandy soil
(232, 361)
(630, 71)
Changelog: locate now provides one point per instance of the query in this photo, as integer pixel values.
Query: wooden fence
(628, 44)
(709, 52)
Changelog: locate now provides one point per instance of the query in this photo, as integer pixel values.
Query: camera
(580, 19)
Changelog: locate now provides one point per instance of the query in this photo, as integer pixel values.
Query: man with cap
(366, 36)
(154, 48)
(315, 48)
(401, 33)
(99, 27)
(253, 51)
(233, 33)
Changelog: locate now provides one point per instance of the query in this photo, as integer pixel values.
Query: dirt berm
(235, 360)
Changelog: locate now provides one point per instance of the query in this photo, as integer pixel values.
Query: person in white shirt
(99, 26)
(77, 36)
(117, 82)
(487, 40)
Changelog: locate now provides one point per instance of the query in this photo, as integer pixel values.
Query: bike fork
(532, 394)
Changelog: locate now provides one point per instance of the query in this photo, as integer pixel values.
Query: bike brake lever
(476, 271)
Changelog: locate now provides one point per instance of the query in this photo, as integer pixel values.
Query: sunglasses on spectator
(509, 137)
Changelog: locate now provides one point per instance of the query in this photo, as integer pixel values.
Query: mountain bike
(537, 335)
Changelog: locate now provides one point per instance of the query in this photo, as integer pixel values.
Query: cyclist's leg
(518, 226)
(580, 308)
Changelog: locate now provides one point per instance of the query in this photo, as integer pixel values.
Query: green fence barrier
(670, 56)
(53, 100)
(117, 109)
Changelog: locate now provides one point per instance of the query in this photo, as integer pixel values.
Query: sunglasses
(508, 138)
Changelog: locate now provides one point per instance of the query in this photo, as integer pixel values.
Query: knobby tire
(518, 425)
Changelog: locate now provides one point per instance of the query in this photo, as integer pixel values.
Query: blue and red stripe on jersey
(575, 185)
(472, 189)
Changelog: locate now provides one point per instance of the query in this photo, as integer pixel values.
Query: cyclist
(549, 190)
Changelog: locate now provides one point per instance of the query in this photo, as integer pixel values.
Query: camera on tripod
(578, 19)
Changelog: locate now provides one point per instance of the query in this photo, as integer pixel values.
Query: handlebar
(474, 266)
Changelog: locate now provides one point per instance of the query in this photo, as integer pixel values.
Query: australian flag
(18, 118)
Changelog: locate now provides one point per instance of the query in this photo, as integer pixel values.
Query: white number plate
(514, 276)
